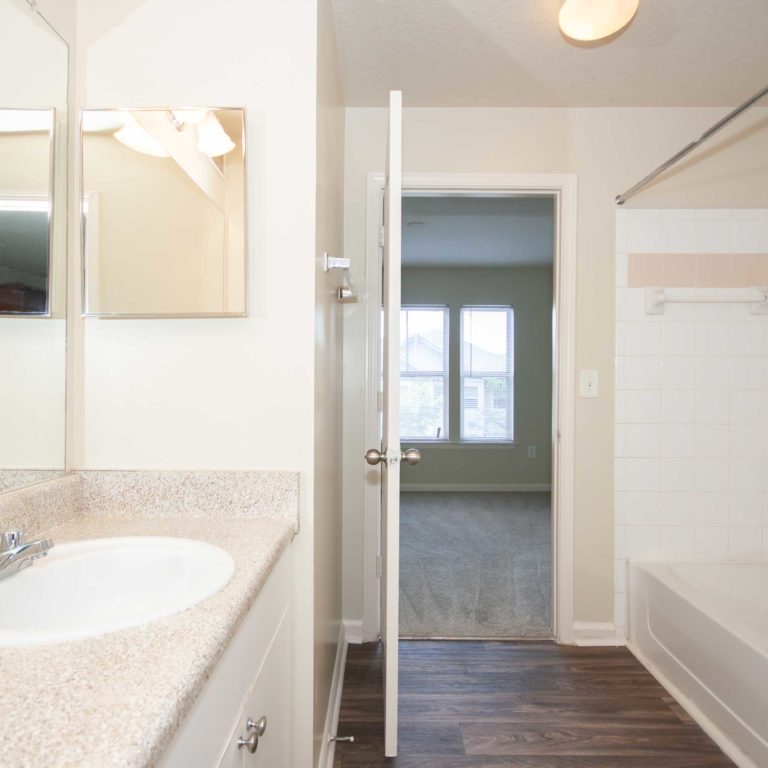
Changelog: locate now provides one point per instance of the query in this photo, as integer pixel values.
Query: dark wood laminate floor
(517, 705)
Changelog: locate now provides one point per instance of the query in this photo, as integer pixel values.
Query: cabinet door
(270, 697)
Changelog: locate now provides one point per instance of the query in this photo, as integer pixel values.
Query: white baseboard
(328, 749)
(596, 633)
(469, 487)
(353, 631)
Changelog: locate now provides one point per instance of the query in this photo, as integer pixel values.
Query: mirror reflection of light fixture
(25, 120)
(136, 137)
(103, 120)
(595, 19)
(182, 117)
(212, 139)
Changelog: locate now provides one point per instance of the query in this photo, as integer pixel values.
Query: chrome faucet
(16, 553)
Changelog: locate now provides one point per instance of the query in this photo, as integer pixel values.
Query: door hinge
(378, 566)
(381, 236)
(380, 401)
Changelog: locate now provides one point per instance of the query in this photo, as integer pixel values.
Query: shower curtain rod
(621, 199)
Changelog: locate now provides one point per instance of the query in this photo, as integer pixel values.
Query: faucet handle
(11, 540)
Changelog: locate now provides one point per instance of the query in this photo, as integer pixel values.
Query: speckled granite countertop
(116, 700)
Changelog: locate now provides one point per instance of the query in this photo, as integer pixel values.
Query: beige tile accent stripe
(697, 270)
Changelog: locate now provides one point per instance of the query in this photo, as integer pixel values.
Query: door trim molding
(564, 188)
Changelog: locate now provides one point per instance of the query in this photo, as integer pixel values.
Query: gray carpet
(475, 565)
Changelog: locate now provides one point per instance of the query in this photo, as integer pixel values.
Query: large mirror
(26, 176)
(33, 246)
(164, 212)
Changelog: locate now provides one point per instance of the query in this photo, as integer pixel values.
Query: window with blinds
(487, 374)
(424, 373)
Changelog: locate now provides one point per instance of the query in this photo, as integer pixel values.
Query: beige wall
(33, 60)
(328, 371)
(609, 149)
(529, 291)
(219, 393)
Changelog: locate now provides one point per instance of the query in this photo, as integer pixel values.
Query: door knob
(374, 457)
(411, 456)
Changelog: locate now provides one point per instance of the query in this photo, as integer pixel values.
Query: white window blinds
(487, 373)
(424, 373)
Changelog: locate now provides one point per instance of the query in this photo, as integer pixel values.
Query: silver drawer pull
(260, 726)
(255, 732)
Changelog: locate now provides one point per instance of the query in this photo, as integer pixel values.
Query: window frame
(509, 375)
(445, 374)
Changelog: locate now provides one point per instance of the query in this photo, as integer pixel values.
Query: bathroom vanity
(179, 690)
(242, 715)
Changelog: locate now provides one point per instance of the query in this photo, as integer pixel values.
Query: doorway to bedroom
(476, 393)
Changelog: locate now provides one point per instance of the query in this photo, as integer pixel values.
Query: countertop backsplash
(222, 494)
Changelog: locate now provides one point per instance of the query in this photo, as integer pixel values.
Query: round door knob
(374, 457)
(411, 456)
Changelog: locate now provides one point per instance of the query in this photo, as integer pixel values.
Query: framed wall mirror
(163, 212)
(33, 246)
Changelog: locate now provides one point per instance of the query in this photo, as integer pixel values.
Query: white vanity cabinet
(252, 680)
(267, 699)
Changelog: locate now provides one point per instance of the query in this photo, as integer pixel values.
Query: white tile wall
(691, 405)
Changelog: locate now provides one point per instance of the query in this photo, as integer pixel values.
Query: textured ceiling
(510, 53)
(478, 231)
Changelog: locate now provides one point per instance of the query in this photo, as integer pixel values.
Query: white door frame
(563, 188)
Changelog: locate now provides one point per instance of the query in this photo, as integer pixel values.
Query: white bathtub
(702, 630)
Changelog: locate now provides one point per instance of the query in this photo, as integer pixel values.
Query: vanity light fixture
(212, 139)
(136, 137)
(588, 20)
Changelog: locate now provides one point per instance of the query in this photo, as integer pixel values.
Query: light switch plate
(589, 385)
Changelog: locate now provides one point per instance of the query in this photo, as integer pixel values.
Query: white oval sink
(90, 588)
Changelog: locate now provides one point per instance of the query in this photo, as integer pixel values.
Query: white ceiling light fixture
(135, 137)
(212, 139)
(588, 20)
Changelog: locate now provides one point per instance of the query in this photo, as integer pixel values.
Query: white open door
(390, 476)
(388, 456)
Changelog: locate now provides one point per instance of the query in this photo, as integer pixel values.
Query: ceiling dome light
(135, 137)
(595, 19)
(212, 139)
